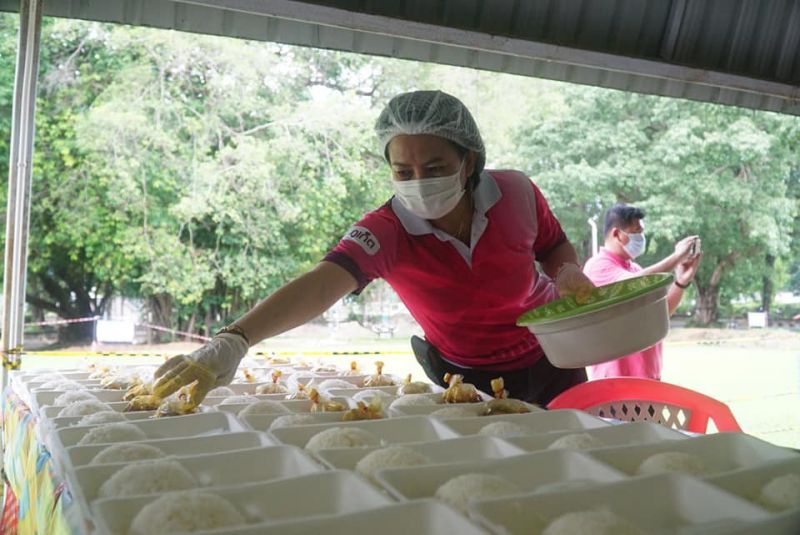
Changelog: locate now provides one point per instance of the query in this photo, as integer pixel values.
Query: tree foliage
(202, 173)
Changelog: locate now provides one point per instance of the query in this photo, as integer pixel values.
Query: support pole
(19, 183)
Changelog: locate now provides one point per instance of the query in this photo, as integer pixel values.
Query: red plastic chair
(633, 399)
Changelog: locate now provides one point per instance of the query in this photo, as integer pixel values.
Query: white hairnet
(431, 112)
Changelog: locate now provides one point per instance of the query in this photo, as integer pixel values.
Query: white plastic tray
(390, 430)
(661, 504)
(207, 423)
(326, 493)
(421, 517)
(531, 472)
(261, 422)
(721, 452)
(181, 447)
(230, 468)
(612, 436)
(538, 422)
(290, 405)
(454, 450)
(747, 483)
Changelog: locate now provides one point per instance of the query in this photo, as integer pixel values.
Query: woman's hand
(571, 281)
(211, 366)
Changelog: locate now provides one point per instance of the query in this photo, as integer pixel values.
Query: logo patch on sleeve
(365, 238)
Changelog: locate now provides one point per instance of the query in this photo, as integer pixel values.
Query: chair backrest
(634, 399)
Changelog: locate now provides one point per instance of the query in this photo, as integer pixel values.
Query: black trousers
(537, 384)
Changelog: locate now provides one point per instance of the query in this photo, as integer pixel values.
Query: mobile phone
(694, 250)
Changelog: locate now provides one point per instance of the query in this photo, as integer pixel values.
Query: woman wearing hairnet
(457, 243)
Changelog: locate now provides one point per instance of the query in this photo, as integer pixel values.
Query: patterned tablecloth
(36, 499)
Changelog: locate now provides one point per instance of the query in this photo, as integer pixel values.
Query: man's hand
(683, 249)
(686, 271)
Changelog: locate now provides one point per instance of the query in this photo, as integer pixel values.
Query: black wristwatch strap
(682, 286)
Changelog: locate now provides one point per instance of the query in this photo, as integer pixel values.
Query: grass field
(756, 372)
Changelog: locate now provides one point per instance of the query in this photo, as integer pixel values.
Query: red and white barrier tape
(62, 322)
(173, 331)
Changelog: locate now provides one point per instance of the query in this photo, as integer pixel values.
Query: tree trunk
(160, 307)
(768, 286)
(706, 309)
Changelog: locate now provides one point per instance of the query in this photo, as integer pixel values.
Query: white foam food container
(180, 447)
(261, 422)
(544, 471)
(661, 504)
(350, 392)
(539, 421)
(69, 421)
(322, 494)
(420, 517)
(52, 411)
(748, 482)
(289, 405)
(610, 436)
(46, 398)
(390, 430)
(454, 450)
(719, 453)
(201, 424)
(787, 523)
(256, 465)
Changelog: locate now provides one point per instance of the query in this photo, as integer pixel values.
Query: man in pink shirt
(624, 241)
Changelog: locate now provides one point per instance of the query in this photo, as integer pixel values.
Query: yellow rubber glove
(571, 281)
(211, 366)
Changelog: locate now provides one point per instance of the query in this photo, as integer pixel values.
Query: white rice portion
(781, 493)
(127, 453)
(672, 461)
(601, 522)
(263, 407)
(370, 393)
(110, 433)
(238, 400)
(575, 442)
(67, 398)
(504, 429)
(63, 384)
(413, 399)
(220, 391)
(84, 407)
(185, 512)
(415, 387)
(461, 489)
(272, 388)
(289, 420)
(328, 384)
(102, 417)
(147, 477)
(461, 410)
(342, 437)
(391, 457)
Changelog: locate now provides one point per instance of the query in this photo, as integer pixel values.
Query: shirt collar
(485, 196)
(621, 260)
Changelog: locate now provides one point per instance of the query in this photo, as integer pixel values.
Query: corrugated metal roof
(739, 52)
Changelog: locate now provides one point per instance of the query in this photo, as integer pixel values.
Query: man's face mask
(636, 244)
(430, 198)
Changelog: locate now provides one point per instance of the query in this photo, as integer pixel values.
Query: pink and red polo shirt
(466, 298)
(604, 268)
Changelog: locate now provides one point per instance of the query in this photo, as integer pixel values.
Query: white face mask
(430, 198)
(636, 244)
